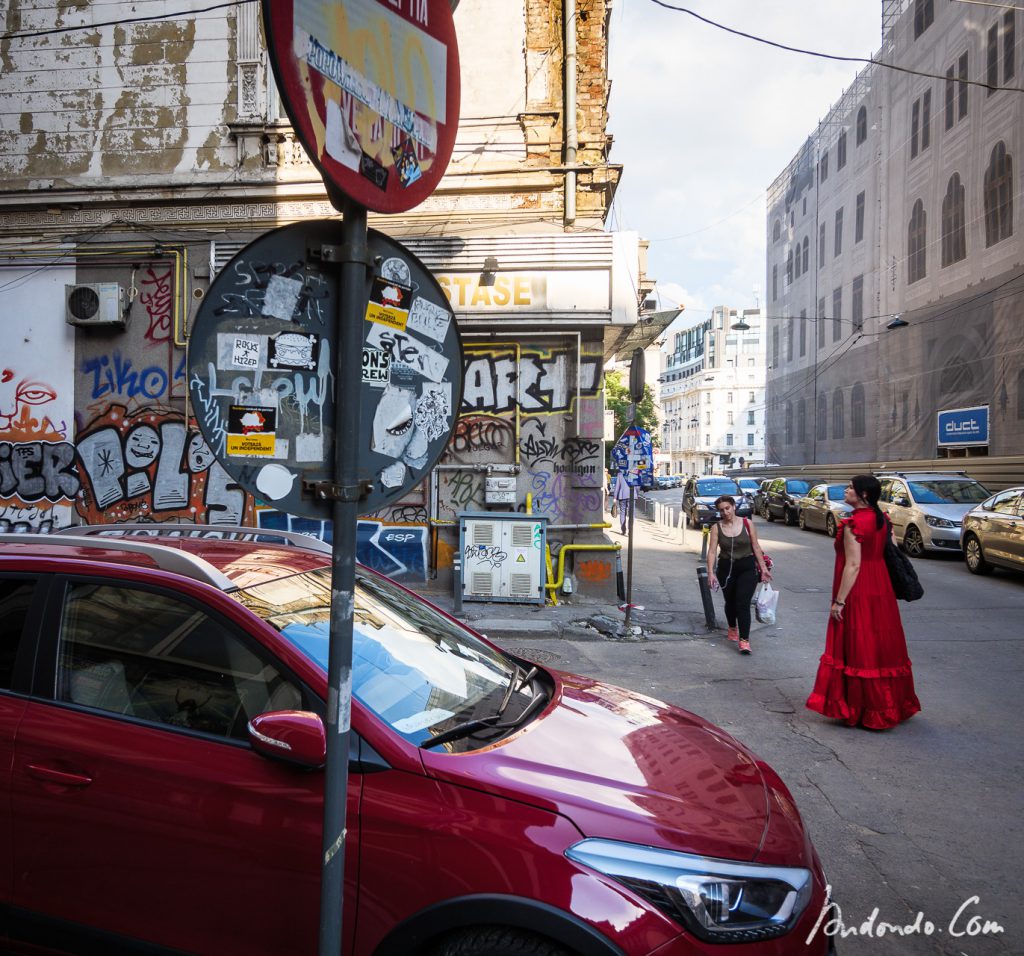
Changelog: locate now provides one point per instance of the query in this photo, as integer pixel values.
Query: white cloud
(704, 121)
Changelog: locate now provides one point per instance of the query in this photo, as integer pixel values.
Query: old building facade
(140, 155)
(901, 207)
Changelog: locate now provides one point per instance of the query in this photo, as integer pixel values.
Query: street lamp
(897, 322)
(740, 326)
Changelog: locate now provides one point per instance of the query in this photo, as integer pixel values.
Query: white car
(927, 508)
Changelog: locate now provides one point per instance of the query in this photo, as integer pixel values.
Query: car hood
(625, 767)
(949, 512)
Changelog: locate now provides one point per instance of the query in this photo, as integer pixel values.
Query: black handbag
(901, 571)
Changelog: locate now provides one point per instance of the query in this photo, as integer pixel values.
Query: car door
(898, 500)
(1003, 530)
(19, 608)
(139, 808)
(815, 508)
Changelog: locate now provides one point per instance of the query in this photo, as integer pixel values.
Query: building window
(857, 425)
(775, 347)
(1009, 42)
(803, 332)
(789, 267)
(862, 125)
(801, 422)
(838, 414)
(954, 231)
(789, 423)
(775, 283)
(858, 304)
(789, 341)
(998, 196)
(916, 236)
(821, 245)
(924, 15)
(751, 396)
(841, 150)
(823, 167)
(750, 417)
(728, 419)
(839, 233)
(961, 71)
(707, 418)
(950, 97)
(806, 253)
(776, 231)
(819, 323)
(707, 441)
(728, 397)
(992, 61)
(915, 127)
(926, 120)
(858, 219)
(750, 439)
(728, 440)
(796, 261)
(821, 418)
(837, 314)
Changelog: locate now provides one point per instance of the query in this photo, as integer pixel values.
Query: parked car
(993, 533)
(783, 497)
(699, 496)
(162, 702)
(823, 508)
(749, 486)
(760, 499)
(927, 508)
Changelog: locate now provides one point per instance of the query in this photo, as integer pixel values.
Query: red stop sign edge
(306, 105)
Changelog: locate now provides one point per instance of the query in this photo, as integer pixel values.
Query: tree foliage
(616, 398)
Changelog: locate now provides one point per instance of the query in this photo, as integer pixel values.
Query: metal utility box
(500, 491)
(502, 557)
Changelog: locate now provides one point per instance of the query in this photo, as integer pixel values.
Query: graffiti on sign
(145, 465)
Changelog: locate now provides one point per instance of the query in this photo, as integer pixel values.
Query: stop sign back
(372, 90)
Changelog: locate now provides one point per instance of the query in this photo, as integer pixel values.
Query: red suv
(149, 690)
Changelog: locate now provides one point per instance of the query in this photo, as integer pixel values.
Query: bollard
(702, 582)
(457, 584)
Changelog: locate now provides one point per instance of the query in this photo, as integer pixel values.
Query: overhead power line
(867, 61)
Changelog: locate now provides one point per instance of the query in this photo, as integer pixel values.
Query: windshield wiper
(494, 721)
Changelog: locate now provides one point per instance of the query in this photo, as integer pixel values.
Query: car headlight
(941, 522)
(703, 507)
(719, 901)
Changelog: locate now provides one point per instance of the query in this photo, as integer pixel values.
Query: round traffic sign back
(262, 372)
(372, 91)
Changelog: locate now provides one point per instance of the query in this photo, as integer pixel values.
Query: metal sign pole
(353, 255)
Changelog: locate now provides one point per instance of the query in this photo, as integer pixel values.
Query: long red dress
(865, 676)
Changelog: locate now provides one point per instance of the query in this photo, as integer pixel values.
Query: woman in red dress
(864, 677)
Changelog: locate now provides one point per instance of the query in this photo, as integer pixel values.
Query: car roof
(227, 558)
(925, 475)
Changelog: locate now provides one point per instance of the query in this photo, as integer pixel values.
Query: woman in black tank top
(734, 557)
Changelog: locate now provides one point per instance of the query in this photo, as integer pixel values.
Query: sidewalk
(664, 584)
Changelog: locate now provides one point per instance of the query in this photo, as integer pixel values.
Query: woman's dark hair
(869, 488)
(729, 499)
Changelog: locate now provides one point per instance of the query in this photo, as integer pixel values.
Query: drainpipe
(569, 111)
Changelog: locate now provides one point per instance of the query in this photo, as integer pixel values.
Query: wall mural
(144, 465)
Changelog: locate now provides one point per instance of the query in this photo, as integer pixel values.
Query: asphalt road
(923, 818)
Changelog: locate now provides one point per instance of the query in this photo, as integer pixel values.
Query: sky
(703, 121)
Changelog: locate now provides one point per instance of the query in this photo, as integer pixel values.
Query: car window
(797, 486)
(836, 492)
(778, 485)
(817, 494)
(886, 492)
(948, 491)
(1008, 503)
(898, 490)
(15, 597)
(418, 671)
(717, 486)
(152, 656)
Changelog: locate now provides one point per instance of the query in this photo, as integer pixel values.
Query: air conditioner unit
(95, 305)
(502, 557)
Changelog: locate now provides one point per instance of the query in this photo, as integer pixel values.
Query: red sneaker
(734, 633)
(744, 647)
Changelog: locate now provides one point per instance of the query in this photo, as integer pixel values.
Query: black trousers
(738, 580)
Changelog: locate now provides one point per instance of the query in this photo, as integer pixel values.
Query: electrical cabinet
(502, 557)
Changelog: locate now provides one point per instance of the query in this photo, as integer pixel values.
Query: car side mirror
(294, 736)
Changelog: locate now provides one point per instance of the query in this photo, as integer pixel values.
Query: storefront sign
(963, 426)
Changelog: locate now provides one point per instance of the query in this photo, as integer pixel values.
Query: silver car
(993, 533)
(927, 508)
(823, 508)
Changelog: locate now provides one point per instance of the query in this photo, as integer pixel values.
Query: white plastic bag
(767, 604)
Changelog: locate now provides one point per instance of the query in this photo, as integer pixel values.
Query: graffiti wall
(37, 476)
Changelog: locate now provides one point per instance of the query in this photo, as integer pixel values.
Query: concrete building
(900, 207)
(712, 394)
(142, 155)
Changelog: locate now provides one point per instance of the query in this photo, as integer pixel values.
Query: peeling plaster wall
(125, 100)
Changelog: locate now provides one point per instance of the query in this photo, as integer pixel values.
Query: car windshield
(836, 492)
(798, 486)
(418, 671)
(948, 491)
(748, 484)
(717, 486)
